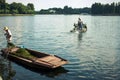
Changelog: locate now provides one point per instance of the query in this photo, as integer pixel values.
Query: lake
(93, 55)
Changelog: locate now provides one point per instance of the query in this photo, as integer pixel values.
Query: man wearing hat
(8, 34)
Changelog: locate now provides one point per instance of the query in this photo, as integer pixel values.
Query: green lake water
(93, 55)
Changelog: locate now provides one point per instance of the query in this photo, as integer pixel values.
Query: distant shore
(105, 14)
(17, 14)
(58, 14)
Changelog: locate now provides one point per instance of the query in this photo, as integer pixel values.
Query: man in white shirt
(8, 34)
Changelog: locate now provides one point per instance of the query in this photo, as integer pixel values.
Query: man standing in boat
(80, 24)
(8, 34)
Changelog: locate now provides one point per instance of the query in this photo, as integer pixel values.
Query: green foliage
(2, 1)
(21, 52)
(65, 10)
(10, 45)
(24, 53)
(14, 11)
(45, 12)
(30, 6)
(30, 12)
(16, 8)
(98, 8)
(2, 11)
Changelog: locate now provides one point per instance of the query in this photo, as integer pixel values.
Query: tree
(16, 8)
(117, 8)
(30, 6)
(7, 9)
(2, 6)
(112, 6)
(22, 9)
(65, 10)
(85, 10)
(68, 10)
(2, 1)
(106, 9)
(97, 8)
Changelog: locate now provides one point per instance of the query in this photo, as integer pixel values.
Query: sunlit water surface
(93, 55)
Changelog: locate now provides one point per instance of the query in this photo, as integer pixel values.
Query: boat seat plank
(49, 59)
(14, 49)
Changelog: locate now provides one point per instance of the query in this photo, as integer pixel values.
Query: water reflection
(8, 73)
(53, 73)
(94, 55)
(1, 67)
(6, 70)
(80, 35)
(48, 73)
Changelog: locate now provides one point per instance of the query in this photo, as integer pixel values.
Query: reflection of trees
(6, 70)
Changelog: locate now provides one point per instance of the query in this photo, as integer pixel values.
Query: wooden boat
(77, 30)
(41, 60)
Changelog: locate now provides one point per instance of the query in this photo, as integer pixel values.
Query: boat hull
(45, 62)
(77, 30)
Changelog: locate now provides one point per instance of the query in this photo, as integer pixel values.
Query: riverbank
(105, 14)
(17, 14)
(58, 14)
